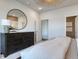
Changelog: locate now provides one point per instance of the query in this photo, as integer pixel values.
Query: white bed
(51, 49)
(58, 48)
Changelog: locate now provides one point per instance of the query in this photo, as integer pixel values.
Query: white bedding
(51, 49)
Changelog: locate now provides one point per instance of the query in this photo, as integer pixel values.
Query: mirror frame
(24, 16)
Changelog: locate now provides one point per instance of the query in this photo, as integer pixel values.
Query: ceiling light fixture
(40, 8)
(49, 2)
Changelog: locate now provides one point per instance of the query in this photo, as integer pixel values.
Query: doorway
(71, 26)
(44, 29)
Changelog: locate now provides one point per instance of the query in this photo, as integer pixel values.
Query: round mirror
(18, 19)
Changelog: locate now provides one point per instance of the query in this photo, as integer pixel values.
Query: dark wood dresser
(13, 42)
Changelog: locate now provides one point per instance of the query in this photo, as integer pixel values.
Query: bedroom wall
(57, 20)
(32, 16)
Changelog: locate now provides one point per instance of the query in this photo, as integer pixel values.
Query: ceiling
(40, 7)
